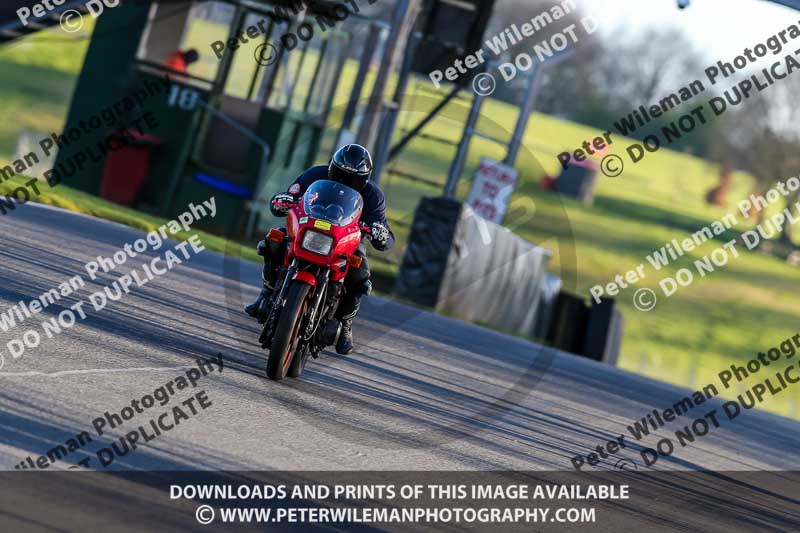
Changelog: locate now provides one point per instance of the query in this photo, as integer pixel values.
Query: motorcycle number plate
(321, 224)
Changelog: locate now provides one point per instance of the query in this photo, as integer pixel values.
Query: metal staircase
(11, 27)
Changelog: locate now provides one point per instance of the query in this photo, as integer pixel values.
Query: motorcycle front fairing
(324, 227)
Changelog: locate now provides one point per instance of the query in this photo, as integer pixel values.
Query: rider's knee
(363, 288)
(270, 250)
(358, 287)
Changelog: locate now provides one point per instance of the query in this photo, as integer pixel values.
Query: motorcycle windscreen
(333, 202)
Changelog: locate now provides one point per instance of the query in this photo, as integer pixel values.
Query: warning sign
(492, 187)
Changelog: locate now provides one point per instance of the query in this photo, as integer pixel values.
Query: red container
(127, 167)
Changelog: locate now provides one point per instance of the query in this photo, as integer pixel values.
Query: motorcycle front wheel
(287, 331)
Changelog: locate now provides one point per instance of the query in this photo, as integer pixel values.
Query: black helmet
(351, 165)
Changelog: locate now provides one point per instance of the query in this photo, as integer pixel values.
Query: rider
(351, 165)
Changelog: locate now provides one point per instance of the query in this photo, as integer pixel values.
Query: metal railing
(13, 30)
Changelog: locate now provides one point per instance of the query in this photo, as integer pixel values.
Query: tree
(760, 137)
(621, 71)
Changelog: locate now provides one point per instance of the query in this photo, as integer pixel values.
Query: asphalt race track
(421, 392)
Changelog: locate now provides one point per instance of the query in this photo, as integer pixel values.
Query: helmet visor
(349, 178)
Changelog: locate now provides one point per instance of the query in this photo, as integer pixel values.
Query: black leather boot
(345, 343)
(260, 308)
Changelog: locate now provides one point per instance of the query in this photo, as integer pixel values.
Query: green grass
(729, 316)
(37, 83)
(80, 202)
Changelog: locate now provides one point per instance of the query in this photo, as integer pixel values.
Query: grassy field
(729, 316)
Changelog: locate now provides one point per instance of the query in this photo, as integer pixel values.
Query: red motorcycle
(324, 232)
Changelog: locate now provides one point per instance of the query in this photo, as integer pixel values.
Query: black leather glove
(287, 200)
(379, 235)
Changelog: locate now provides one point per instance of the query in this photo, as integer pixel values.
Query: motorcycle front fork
(323, 328)
(290, 272)
(315, 317)
(316, 303)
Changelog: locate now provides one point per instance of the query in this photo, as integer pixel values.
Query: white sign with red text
(492, 187)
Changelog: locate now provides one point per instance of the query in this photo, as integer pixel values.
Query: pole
(463, 147)
(370, 45)
(403, 18)
(392, 109)
(524, 117)
(384, 140)
(526, 108)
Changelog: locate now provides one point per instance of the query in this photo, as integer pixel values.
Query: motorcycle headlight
(318, 243)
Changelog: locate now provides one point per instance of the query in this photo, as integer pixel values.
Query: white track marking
(92, 371)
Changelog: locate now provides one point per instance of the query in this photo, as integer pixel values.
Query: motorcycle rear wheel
(287, 332)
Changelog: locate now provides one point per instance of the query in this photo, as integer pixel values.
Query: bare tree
(760, 137)
(642, 68)
(618, 72)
